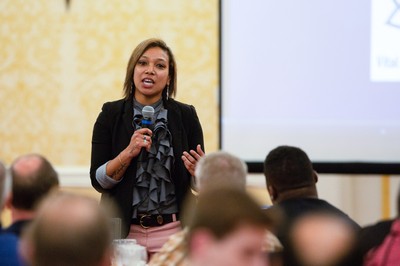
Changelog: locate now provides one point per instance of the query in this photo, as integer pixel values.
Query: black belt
(151, 220)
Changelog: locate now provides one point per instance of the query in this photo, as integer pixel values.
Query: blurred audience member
(379, 244)
(217, 170)
(227, 227)
(321, 239)
(2, 186)
(220, 170)
(8, 241)
(68, 230)
(33, 177)
(291, 183)
(9, 250)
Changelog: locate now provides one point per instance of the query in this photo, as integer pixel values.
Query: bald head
(67, 211)
(69, 230)
(27, 165)
(33, 177)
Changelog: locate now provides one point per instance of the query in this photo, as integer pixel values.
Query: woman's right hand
(141, 138)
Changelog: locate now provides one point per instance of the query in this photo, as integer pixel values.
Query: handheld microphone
(147, 122)
(147, 113)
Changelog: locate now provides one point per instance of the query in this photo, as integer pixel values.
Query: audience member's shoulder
(16, 227)
(373, 235)
(381, 226)
(7, 240)
(301, 205)
(328, 207)
(295, 208)
(9, 249)
(7, 236)
(314, 204)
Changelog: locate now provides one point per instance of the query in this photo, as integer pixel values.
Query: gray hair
(220, 170)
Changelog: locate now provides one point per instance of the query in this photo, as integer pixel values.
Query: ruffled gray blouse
(154, 192)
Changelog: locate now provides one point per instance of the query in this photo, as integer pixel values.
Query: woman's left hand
(191, 158)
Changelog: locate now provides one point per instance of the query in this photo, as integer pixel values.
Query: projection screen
(320, 75)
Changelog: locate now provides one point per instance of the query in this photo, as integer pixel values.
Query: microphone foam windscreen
(148, 112)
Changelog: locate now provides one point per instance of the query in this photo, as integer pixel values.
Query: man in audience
(217, 170)
(33, 177)
(68, 230)
(8, 241)
(9, 250)
(220, 170)
(2, 186)
(291, 183)
(227, 227)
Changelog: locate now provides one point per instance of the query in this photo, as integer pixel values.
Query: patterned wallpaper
(58, 65)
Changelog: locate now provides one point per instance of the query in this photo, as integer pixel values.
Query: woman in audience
(379, 244)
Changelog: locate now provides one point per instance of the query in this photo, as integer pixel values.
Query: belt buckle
(141, 220)
(160, 219)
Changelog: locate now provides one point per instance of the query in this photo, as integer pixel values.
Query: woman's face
(151, 75)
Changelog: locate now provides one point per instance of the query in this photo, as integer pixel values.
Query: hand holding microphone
(140, 140)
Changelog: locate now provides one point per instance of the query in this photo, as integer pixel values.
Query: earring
(132, 87)
(167, 92)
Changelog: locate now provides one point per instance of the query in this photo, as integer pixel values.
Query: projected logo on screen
(394, 19)
(385, 41)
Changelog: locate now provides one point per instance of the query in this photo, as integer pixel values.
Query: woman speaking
(144, 162)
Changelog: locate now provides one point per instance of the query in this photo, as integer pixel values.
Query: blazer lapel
(175, 127)
(127, 116)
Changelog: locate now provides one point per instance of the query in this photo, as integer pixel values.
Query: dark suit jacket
(291, 210)
(112, 133)
(9, 250)
(16, 227)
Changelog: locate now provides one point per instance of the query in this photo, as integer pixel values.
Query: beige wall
(58, 66)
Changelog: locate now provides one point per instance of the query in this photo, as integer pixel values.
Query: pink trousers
(153, 238)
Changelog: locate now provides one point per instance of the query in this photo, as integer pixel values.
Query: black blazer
(112, 133)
